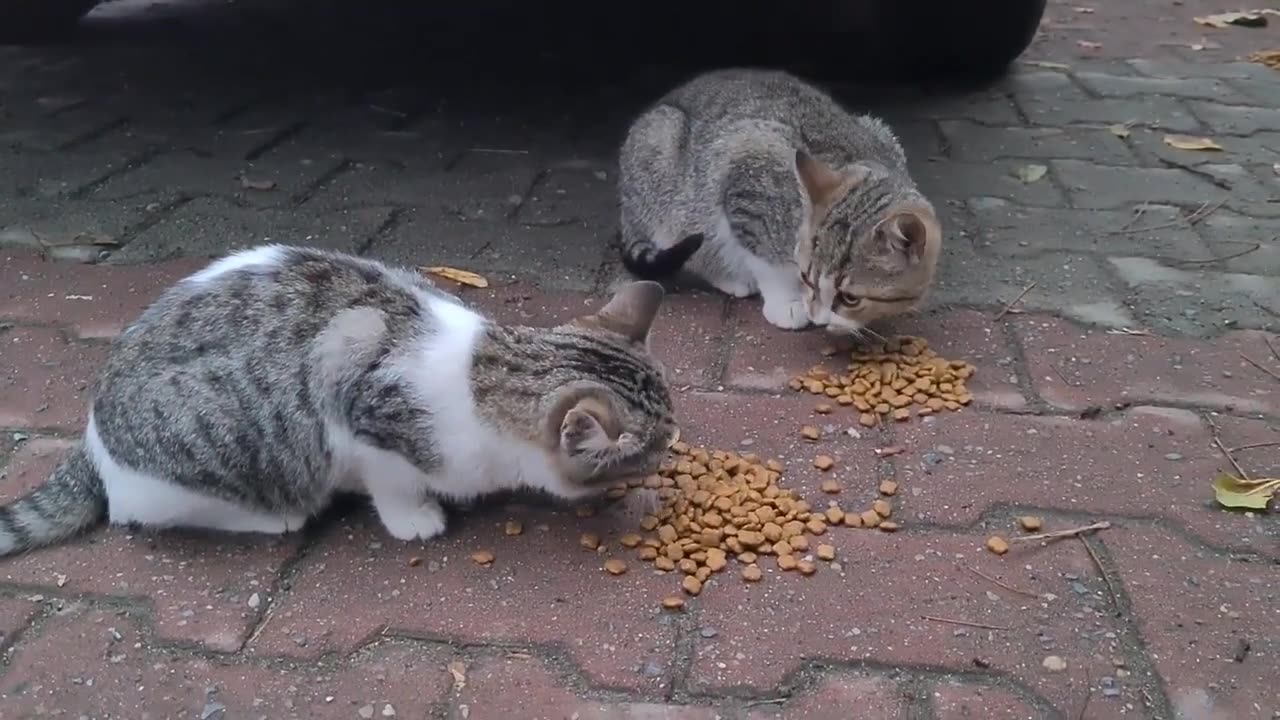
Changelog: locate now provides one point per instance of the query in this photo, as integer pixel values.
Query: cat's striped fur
(251, 392)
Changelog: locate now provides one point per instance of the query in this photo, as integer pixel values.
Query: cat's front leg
(400, 494)
(421, 519)
(783, 294)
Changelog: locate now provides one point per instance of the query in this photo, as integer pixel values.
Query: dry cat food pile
(892, 379)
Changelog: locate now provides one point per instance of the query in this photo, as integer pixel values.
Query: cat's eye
(849, 299)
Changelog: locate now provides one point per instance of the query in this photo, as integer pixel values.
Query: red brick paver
(1168, 614)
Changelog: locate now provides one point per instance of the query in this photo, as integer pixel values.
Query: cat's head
(869, 245)
(615, 423)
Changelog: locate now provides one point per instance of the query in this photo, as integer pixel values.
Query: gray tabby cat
(252, 391)
(764, 183)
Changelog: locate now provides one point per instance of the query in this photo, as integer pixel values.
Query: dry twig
(1200, 213)
(965, 623)
(1217, 440)
(1209, 261)
(1004, 585)
(1071, 532)
(1261, 367)
(1102, 570)
(1015, 301)
(1252, 446)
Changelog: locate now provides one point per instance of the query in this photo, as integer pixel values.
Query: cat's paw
(734, 288)
(791, 315)
(413, 523)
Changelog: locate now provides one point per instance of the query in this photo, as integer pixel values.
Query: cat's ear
(581, 431)
(632, 310)
(820, 182)
(906, 234)
(579, 420)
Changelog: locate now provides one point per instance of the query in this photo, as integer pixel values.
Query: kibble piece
(630, 540)
(997, 545)
(809, 432)
(691, 585)
(688, 566)
(513, 527)
(482, 557)
(1030, 523)
(882, 508)
(888, 487)
(888, 525)
(585, 511)
(824, 409)
(590, 541)
(415, 561)
(870, 518)
(673, 552)
(806, 568)
(647, 553)
(648, 523)
(751, 573)
(799, 543)
(747, 557)
(664, 563)
(902, 414)
(787, 562)
(852, 520)
(615, 566)
(831, 487)
(782, 547)
(835, 515)
(816, 526)
(867, 419)
(673, 602)
(826, 552)
(823, 462)
(716, 560)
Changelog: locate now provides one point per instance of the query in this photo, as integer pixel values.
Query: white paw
(790, 315)
(409, 523)
(735, 289)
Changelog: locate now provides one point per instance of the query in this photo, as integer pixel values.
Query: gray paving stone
(1072, 106)
(1108, 186)
(582, 196)
(567, 256)
(962, 180)
(102, 225)
(1152, 148)
(59, 175)
(1008, 230)
(211, 227)
(980, 143)
(54, 121)
(991, 108)
(1236, 119)
(1175, 69)
(919, 138)
(1075, 286)
(1229, 233)
(1198, 302)
(1114, 86)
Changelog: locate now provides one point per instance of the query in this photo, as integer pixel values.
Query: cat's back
(734, 93)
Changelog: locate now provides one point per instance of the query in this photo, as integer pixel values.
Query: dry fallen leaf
(459, 673)
(1243, 18)
(1047, 65)
(1189, 142)
(1234, 492)
(1120, 130)
(462, 277)
(1270, 58)
(1088, 44)
(1030, 173)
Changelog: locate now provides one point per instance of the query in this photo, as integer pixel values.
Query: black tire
(40, 21)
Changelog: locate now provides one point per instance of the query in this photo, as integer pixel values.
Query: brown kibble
(884, 408)
(889, 487)
(590, 541)
(806, 568)
(782, 547)
(687, 566)
(823, 462)
(772, 532)
(585, 511)
(816, 526)
(647, 553)
(482, 557)
(513, 527)
(615, 566)
(673, 552)
(867, 419)
(629, 540)
(870, 518)
(415, 561)
(831, 487)
(902, 414)
(882, 508)
(691, 585)
(1030, 523)
(799, 543)
(853, 520)
(786, 562)
(845, 400)
(809, 432)
(835, 515)
(667, 534)
(648, 523)
(673, 602)
(997, 545)
(751, 573)
(888, 525)
(823, 409)
(662, 562)
(717, 561)
(747, 557)
(826, 552)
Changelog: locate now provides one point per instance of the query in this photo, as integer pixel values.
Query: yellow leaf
(1188, 142)
(1030, 173)
(1120, 130)
(1048, 65)
(1270, 58)
(462, 277)
(459, 673)
(1243, 18)
(1234, 492)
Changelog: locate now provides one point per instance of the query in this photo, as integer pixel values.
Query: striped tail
(650, 262)
(71, 501)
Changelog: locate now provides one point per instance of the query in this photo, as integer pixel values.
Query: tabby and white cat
(252, 391)
(764, 183)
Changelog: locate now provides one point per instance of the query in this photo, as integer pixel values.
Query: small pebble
(1173, 456)
(1053, 663)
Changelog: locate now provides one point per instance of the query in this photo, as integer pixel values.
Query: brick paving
(1097, 398)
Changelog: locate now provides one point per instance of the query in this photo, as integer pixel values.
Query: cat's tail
(71, 501)
(649, 262)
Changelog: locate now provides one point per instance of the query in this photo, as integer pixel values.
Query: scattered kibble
(809, 432)
(823, 462)
(870, 518)
(892, 378)
(882, 508)
(751, 573)
(590, 541)
(585, 511)
(1030, 523)
(691, 584)
(888, 525)
(615, 566)
(830, 487)
(889, 487)
(806, 568)
(826, 552)
(482, 557)
(513, 527)
(673, 602)
(415, 561)
(997, 545)
(787, 562)
(630, 540)
(823, 409)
